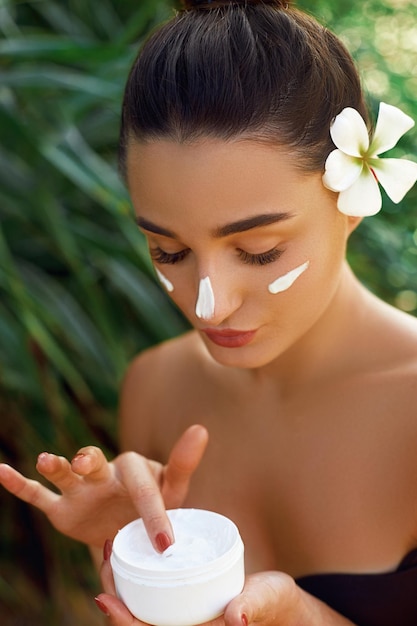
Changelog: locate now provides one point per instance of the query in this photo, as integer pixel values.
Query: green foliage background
(77, 292)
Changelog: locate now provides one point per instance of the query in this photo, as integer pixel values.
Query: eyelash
(160, 256)
(262, 258)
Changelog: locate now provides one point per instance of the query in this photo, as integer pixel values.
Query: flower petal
(349, 132)
(341, 170)
(363, 198)
(397, 176)
(392, 123)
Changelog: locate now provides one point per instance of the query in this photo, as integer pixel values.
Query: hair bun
(212, 4)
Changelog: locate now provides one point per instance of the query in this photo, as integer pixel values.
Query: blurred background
(78, 296)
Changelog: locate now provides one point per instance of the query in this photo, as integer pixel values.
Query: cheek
(301, 291)
(164, 280)
(180, 287)
(285, 281)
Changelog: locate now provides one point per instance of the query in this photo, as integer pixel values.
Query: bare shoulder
(390, 384)
(393, 340)
(169, 357)
(395, 399)
(155, 381)
(393, 336)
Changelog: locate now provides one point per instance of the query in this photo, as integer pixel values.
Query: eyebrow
(232, 228)
(250, 222)
(154, 228)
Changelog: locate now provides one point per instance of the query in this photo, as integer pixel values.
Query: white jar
(192, 581)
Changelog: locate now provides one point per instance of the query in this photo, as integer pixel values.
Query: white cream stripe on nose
(204, 308)
(284, 282)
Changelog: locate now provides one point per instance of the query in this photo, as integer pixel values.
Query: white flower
(355, 169)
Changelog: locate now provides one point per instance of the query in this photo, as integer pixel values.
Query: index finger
(137, 477)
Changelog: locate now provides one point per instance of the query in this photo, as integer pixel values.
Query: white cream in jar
(192, 581)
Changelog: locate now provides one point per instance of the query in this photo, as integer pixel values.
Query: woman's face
(249, 247)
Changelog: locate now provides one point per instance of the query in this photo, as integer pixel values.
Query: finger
(28, 490)
(136, 475)
(266, 599)
(91, 463)
(116, 611)
(57, 470)
(184, 459)
(106, 575)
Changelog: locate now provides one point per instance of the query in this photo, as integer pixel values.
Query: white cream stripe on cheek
(284, 282)
(204, 309)
(164, 280)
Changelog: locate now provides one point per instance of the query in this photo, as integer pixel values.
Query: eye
(160, 256)
(262, 258)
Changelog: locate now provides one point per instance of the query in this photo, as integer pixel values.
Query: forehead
(236, 178)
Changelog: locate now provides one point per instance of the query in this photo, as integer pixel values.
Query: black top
(388, 599)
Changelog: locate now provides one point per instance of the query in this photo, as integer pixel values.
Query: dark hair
(228, 70)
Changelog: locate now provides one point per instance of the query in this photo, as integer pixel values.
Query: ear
(353, 223)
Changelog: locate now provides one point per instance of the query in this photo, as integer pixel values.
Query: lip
(228, 337)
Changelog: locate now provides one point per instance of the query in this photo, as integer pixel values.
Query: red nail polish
(244, 620)
(107, 548)
(103, 608)
(162, 541)
(77, 456)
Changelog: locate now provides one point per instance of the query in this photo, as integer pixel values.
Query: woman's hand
(268, 599)
(99, 497)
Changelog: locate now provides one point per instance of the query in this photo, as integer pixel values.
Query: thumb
(184, 459)
(267, 600)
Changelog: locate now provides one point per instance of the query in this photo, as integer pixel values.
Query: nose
(206, 304)
(216, 299)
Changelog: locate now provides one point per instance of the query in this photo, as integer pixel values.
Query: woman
(303, 381)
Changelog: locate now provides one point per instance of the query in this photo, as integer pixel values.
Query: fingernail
(244, 619)
(107, 548)
(42, 455)
(77, 456)
(162, 541)
(103, 608)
